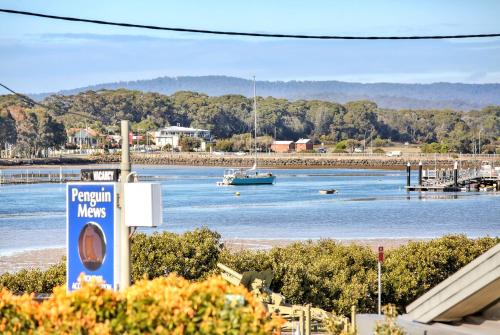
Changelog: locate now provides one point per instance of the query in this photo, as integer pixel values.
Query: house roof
(303, 141)
(182, 129)
(82, 132)
(283, 142)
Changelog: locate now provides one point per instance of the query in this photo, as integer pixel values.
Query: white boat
(250, 176)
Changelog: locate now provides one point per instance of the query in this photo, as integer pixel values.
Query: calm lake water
(369, 204)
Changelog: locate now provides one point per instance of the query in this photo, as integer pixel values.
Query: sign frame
(89, 175)
(381, 255)
(74, 263)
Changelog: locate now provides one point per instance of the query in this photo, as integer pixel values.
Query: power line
(234, 33)
(32, 103)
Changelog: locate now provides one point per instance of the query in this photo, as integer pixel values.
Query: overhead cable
(235, 33)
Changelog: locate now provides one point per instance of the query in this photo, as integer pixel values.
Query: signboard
(92, 233)
(381, 254)
(99, 174)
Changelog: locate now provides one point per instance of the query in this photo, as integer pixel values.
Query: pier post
(455, 174)
(408, 172)
(124, 230)
(302, 325)
(420, 173)
(308, 320)
(353, 320)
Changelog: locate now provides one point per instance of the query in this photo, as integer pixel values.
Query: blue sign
(91, 233)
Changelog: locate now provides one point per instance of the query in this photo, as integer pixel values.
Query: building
(172, 135)
(303, 144)
(283, 146)
(82, 137)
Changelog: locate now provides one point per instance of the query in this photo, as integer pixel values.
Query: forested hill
(398, 96)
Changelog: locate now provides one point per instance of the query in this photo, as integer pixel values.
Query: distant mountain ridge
(387, 95)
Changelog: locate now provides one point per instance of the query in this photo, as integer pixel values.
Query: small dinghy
(328, 191)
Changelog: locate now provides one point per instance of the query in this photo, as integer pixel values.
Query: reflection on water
(368, 204)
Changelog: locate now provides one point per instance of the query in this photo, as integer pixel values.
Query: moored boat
(249, 176)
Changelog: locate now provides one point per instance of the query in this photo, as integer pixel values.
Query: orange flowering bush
(16, 313)
(166, 305)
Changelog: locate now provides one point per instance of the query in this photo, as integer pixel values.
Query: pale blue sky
(38, 55)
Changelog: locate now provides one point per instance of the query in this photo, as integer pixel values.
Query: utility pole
(371, 141)
(124, 229)
(364, 142)
(479, 148)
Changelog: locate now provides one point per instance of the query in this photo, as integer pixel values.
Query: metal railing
(11, 177)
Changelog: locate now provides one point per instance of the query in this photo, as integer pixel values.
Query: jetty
(485, 178)
(38, 176)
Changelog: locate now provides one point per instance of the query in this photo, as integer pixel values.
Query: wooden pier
(16, 177)
(37, 177)
(485, 178)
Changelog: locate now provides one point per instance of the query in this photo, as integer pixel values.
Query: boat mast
(255, 120)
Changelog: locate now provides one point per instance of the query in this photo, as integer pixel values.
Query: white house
(85, 137)
(171, 135)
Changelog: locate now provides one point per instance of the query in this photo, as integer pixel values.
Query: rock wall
(292, 161)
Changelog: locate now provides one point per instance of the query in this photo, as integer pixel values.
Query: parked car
(217, 153)
(393, 154)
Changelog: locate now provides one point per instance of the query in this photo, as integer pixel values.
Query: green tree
(189, 143)
(224, 145)
(50, 134)
(8, 132)
(27, 130)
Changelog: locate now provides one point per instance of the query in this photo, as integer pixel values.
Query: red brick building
(283, 146)
(303, 144)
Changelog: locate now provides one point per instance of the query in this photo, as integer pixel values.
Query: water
(369, 204)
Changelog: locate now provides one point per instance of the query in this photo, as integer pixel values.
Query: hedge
(326, 274)
(166, 305)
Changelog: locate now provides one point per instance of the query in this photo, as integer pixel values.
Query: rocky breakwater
(288, 161)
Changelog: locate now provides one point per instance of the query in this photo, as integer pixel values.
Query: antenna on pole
(255, 119)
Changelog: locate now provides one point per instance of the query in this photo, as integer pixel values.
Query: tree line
(232, 115)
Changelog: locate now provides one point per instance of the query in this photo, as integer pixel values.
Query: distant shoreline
(325, 161)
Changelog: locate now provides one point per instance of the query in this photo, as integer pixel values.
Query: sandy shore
(42, 259)
(46, 257)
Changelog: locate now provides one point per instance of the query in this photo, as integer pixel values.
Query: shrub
(338, 325)
(412, 269)
(378, 151)
(35, 280)
(389, 326)
(341, 145)
(192, 255)
(326, 274)
(435, 147)
(168, 305)
(189, 143)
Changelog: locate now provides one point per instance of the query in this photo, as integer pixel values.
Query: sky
(41, 55)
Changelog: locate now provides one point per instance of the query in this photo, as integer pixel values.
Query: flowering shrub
(16, 313)
(167, 305)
